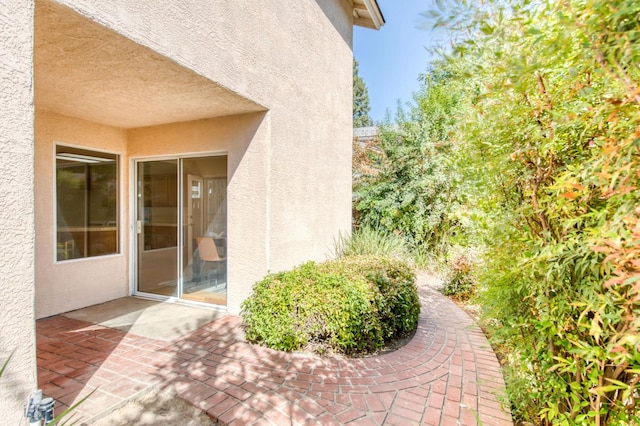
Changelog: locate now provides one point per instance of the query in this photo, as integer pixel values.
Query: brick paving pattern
(446, 375)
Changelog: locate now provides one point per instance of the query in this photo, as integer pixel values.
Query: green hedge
(353, 305)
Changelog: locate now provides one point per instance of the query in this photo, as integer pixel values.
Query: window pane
(87, 203)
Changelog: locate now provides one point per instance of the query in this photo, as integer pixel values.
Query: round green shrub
(353, 305)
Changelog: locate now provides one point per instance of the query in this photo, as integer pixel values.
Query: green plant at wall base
(56, 421)
(5, 364)
(351, 306)
(70, 410)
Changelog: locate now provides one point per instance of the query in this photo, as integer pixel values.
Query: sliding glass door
(181, 228)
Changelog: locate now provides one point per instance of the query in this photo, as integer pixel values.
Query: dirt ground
(157, 409)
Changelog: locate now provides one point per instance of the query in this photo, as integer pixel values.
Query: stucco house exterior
(173, 150)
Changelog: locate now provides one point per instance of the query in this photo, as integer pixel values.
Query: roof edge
(372, 18)
(375, 12)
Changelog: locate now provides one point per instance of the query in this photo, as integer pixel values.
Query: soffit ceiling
(84, 70)
(367, 13)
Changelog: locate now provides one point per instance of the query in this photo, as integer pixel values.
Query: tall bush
(405, 188)
(548, 142)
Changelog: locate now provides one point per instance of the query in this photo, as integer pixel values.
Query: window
(87, 203)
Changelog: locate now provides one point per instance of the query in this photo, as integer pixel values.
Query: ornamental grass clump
(371, 241)
(355, 305)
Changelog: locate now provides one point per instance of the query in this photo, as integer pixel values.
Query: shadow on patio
(113, 347)
(446, 373)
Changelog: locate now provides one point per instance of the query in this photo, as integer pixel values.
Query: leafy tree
(548, 144)
(361, 106)
(407, 190)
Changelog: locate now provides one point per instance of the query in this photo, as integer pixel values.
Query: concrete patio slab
(148, 318)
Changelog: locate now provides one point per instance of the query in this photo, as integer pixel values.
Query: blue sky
(391, 59)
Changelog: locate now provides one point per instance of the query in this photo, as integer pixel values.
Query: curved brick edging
(446, 375)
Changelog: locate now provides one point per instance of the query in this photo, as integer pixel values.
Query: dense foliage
(460, 277)
(353, 305)
(361, 107)
(403, 185)
(548, 143)
(519, 165)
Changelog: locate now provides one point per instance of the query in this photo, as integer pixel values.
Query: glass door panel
(157, 227)
(204, 271)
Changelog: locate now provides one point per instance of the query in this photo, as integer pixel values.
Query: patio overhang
(86, 71)
(367, 13)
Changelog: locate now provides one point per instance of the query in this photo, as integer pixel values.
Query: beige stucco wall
(289, 190)
(293, 57)
(73, 284)
(17, 328)
(289, 168)
(69, 285)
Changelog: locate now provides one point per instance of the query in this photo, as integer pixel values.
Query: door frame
(133, 227)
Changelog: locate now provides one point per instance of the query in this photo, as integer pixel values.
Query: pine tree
(361, 106)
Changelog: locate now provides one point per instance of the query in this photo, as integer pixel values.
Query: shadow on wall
(12, 383)
(336, 17)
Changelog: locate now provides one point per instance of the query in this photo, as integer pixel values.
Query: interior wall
(73, 284)
(208, 167)
(245, 139)
(17, 327)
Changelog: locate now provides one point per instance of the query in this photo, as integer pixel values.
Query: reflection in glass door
(194, 216)
(204, 259)
(157, 227)
(181, 246)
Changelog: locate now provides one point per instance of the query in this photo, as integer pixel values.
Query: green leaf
(6, 363)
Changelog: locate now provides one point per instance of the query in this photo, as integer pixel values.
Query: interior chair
(208, 252)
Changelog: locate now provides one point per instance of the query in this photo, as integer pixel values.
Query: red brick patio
(446, 375)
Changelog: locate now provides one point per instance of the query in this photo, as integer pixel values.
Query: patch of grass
(368, 241)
